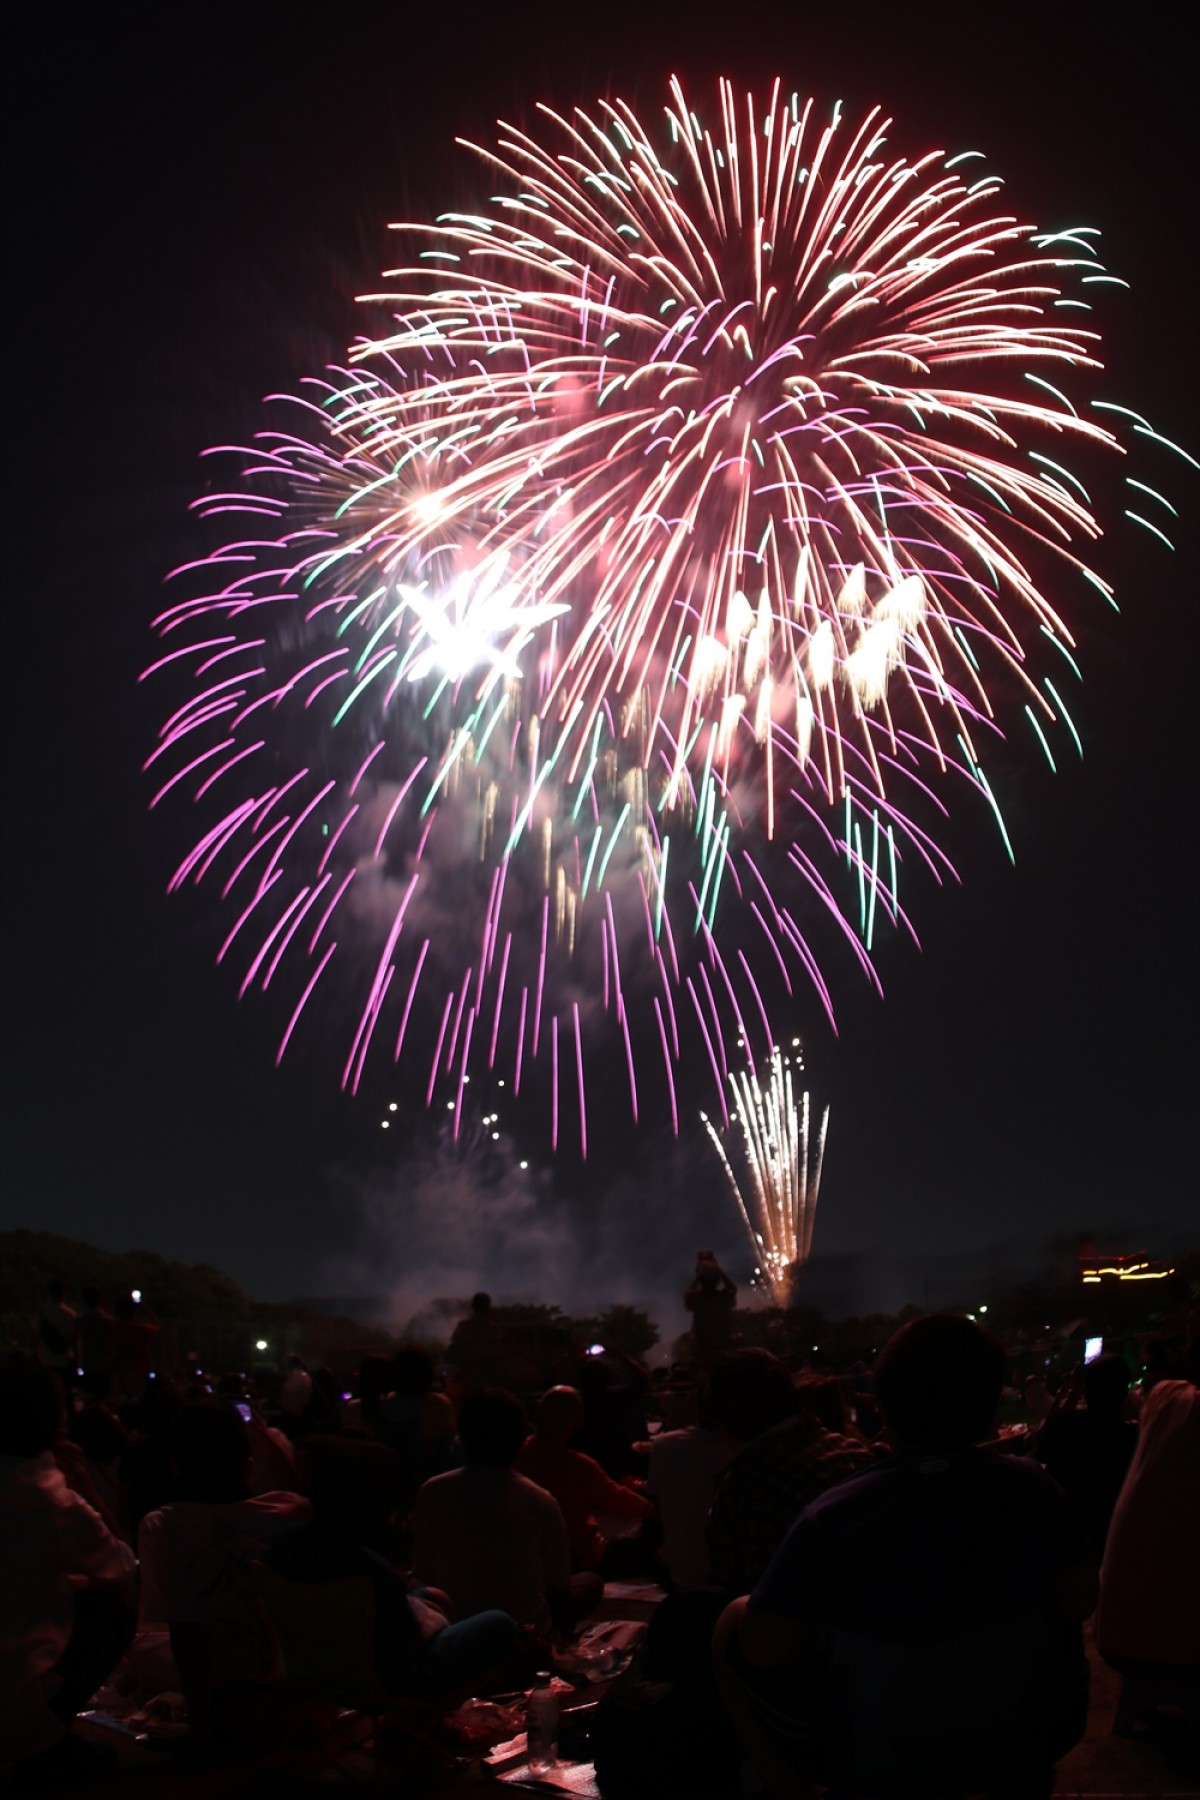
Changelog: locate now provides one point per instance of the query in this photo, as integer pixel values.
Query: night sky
(196, 195)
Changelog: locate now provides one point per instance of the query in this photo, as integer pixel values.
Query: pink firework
(609, 633)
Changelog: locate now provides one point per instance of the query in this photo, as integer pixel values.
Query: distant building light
(1123, 1271)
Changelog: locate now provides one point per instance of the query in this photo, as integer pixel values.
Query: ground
(1100, 1768)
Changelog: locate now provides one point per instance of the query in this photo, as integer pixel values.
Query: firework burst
(620, 621)
(778, 1204)
(755, 397)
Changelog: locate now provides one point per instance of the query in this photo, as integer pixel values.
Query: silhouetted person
(68, 1589)
(195, 1555)
(613, 1388)
(295, 1395)
(95, 1343)
(488, 1537)
(921, 1623)
(659, 1732)
(373, 1381)
(352, 1485)
(134, 1333)
(102, 1440)
(418, 1421)
(710, 1299)
(577, 1482)
(1148, 1622)
(146, 1473)
(1088, 1450)
(685, 1464)
(783, 1457)
(54, 1329)
(476, 1349)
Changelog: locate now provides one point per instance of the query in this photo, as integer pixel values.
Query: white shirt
(195, 1559)
(195, 1555)
(682, 1477)
(50, 1541)
(491, 1538)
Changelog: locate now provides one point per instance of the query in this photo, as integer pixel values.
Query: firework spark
(600, 648)
(783, 1162)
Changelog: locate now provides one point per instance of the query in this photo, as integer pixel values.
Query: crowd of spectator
(885, 1594)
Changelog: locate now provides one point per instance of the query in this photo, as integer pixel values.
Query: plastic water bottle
(541, 1723)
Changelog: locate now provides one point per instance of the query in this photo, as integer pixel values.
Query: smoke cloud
(447, 1222)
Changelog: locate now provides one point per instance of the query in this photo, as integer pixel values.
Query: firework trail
(783, 1163)
(589, 658)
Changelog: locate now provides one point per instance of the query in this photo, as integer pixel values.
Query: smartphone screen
(1092, 1348)
(243, 1407)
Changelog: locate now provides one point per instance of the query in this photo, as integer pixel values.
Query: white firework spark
(784, 1159)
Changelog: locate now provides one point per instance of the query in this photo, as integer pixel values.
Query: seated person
(659, 1731)
(68, 1587)
(824, 1397)
(195, 1555)
(613, 1388)
(352, 1486)
(272, 1465)
(373, 1379)
(783, 1457)
(295, 1392)
(577, 1481)
(145, 1473)
(56, 1331)
(101, 1440)
(1148, 1620)
(685, 1466)
(920, 1626)
(490, 1538)
(417, 1420)
(679, 1402)
(134, 1334)
(96, 1345)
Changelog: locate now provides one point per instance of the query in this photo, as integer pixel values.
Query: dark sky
(196, 196)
